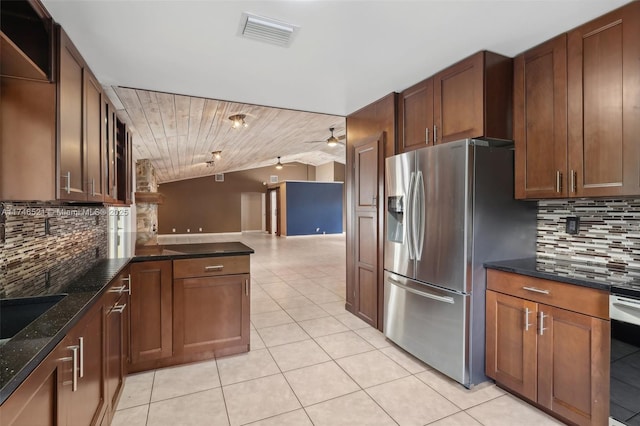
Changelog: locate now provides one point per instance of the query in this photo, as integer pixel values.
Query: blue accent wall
(314, 205)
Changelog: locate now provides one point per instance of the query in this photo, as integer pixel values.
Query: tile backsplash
(45, 246)
(609, 235)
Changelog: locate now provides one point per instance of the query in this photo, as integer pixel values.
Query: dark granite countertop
(20, 355)
(584, 274)
(188, 251)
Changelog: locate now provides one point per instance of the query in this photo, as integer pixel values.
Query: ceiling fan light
(217, 155)
(278, 166)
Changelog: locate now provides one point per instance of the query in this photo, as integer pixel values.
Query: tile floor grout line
(224, 399)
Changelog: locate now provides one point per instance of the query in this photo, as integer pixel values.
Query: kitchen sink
(19, 312)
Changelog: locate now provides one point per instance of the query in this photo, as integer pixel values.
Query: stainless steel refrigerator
(449, 209)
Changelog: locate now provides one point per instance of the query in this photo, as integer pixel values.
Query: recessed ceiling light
(267, 30)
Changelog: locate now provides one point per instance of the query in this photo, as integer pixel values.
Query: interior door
(444, 235)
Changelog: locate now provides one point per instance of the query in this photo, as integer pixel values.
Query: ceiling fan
(280, 164)
(331, 140)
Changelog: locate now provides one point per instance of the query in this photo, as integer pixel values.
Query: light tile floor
(311, 362)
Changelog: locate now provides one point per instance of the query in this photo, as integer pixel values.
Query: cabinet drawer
(575, 298)
(210, 266)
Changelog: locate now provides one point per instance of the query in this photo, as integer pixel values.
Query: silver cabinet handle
(127, 278)
(426, 135)
(93, 187)
(435, 134)
(118, 308)
(246, 287)
(373, 201)
(67, 187)
(526, 319)
(214, 268)
(558, 181)
(536, 290)
(119, 289)
(542, 316)
(574, 179)
(81, 351)
(445, 299)
(74, 358)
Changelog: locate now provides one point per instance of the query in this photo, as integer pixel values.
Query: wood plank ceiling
(179, 133)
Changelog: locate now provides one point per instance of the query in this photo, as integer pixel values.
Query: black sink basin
(17, 313)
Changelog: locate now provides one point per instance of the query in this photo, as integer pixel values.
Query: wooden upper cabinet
(109, 153)
(473, 99)
(72, 152)
(415, 111)
(604, 104)
(94, 138)
(540, 120)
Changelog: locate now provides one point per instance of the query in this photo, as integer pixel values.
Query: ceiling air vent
(267, 30)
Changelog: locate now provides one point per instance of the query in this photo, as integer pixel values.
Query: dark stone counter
(592, 275)
(190, 251)
(21, 354)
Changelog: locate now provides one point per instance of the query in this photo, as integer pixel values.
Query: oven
(624, 309)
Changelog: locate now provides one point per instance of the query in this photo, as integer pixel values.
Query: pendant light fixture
(278, 164)
(237, 121)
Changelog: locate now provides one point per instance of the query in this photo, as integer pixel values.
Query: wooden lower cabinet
(211, 315)
(556, 358)
(151, 312)
(35, 402)
(512, 344)
(188, 310)
(84, 402)
(116, 309)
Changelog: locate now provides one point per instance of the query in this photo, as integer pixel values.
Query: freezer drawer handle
(536, 290)
(421, 293)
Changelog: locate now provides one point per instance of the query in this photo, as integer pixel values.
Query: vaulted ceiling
(346, 54)
(179, 133)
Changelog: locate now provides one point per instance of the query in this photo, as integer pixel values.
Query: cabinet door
(151, 311)
(366, 289)
(36, 401)
(416, 116)
(573, 365)
(109, 153)
(511, 343)
(603, 111)
(540, 121)
(458, 100)
(211, 313)
(72, 174)
(85, 404)
(115, 347)
(94, 138)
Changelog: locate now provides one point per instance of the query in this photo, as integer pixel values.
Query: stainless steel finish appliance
(449, 209)
(624, 309)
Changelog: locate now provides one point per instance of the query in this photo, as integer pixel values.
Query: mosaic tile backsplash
(45, 246)
(608, 239)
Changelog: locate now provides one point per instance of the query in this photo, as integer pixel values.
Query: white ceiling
(345, 55)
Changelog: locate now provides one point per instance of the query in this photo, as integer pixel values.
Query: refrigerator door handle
(409, 219)
(445, 299)
(419, 227)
